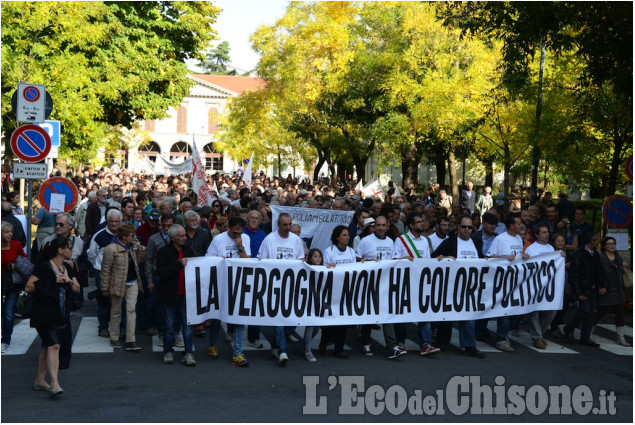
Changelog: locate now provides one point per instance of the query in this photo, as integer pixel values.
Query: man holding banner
(231, 244)
(459, 247)
(415, 245)
(282, 245)
(378, 247)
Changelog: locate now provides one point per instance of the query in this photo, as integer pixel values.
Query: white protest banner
(199, 183)
(290, 292)
(359, 186)
(164, 167)
(316, 224)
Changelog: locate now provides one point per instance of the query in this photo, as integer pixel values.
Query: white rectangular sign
(31, 103)
(30, 171)
(291, 293)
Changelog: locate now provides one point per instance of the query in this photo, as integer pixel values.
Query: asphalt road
(119, 386)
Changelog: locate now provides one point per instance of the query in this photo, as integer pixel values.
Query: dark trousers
(584, 315)
(66, 343)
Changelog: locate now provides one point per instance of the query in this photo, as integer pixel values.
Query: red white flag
(247, 175)
(198, 179)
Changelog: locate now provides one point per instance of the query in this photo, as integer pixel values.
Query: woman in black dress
(52, 284)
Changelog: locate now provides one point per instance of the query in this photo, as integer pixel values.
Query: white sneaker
(188, 359)
(255, 344)
(309, 357)
(283, 359)
(5, 347)
(178, 341)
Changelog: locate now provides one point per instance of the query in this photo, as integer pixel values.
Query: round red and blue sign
(60, 186)
(31, 143)
(617, 211)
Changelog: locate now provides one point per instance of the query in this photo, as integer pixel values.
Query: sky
(237, 21)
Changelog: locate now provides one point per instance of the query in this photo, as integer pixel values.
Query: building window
(212, 125)
(181, 120)
(149, 125)
(213, 160)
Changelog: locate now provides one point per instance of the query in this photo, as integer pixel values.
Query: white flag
(198, 178)
(215, 188)
(397, 193)
(247, 174)
(360, 185)
(373, 189)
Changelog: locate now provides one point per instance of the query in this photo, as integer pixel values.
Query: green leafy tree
(104, 63)
(217, 59)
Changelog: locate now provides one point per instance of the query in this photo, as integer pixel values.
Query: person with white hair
(80, 214)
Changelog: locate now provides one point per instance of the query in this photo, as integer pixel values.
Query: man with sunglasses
(460, 247)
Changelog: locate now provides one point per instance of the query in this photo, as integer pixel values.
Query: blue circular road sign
(30, 143)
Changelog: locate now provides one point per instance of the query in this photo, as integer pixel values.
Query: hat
(303, 192)
(369, 222)
(154, 214)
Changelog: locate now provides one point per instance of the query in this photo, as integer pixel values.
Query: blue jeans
(147, 313)
(8, 315)
(280, 339)
(425, 333)
(239, 331)
(170, 314)
(502, 327)
(467, 333)
(103, 310)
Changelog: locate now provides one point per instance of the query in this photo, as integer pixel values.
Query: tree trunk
(320, 162)
(341, 171)
(454, 183)
(508, 166)
(409, 168)
(489, 173)
(610, 184)
(439, 163)
(536, 149)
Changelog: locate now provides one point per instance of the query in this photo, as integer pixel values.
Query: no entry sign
(617, 211)
(58, 194)
(30, 143)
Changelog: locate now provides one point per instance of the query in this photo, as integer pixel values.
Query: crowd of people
(135, 233)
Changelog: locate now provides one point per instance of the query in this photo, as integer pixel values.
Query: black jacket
(586, 274)
(168, 270)
(449, 247)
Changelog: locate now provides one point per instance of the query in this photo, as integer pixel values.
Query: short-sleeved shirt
(10, 255)
(421, 244)
(466, 249)
(224, 246)
(537, 248)
(47, 219)
(505, 245)
(373, 248)
(333, 255)
(275, 246)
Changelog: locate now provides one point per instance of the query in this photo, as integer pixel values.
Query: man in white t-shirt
(539, 321)
(411, 245)
(378, 247)
(441, 233)
(506, 245)
(230, 244)
(282, 245)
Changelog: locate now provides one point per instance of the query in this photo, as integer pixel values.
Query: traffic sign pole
(28, 219)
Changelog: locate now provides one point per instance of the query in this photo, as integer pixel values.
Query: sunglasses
(466, 227)
(58, 224)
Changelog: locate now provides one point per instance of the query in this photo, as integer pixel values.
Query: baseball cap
(154, 214)
(369, 222)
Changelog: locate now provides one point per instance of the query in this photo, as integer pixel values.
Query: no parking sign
(617, 211)
(58, 195)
